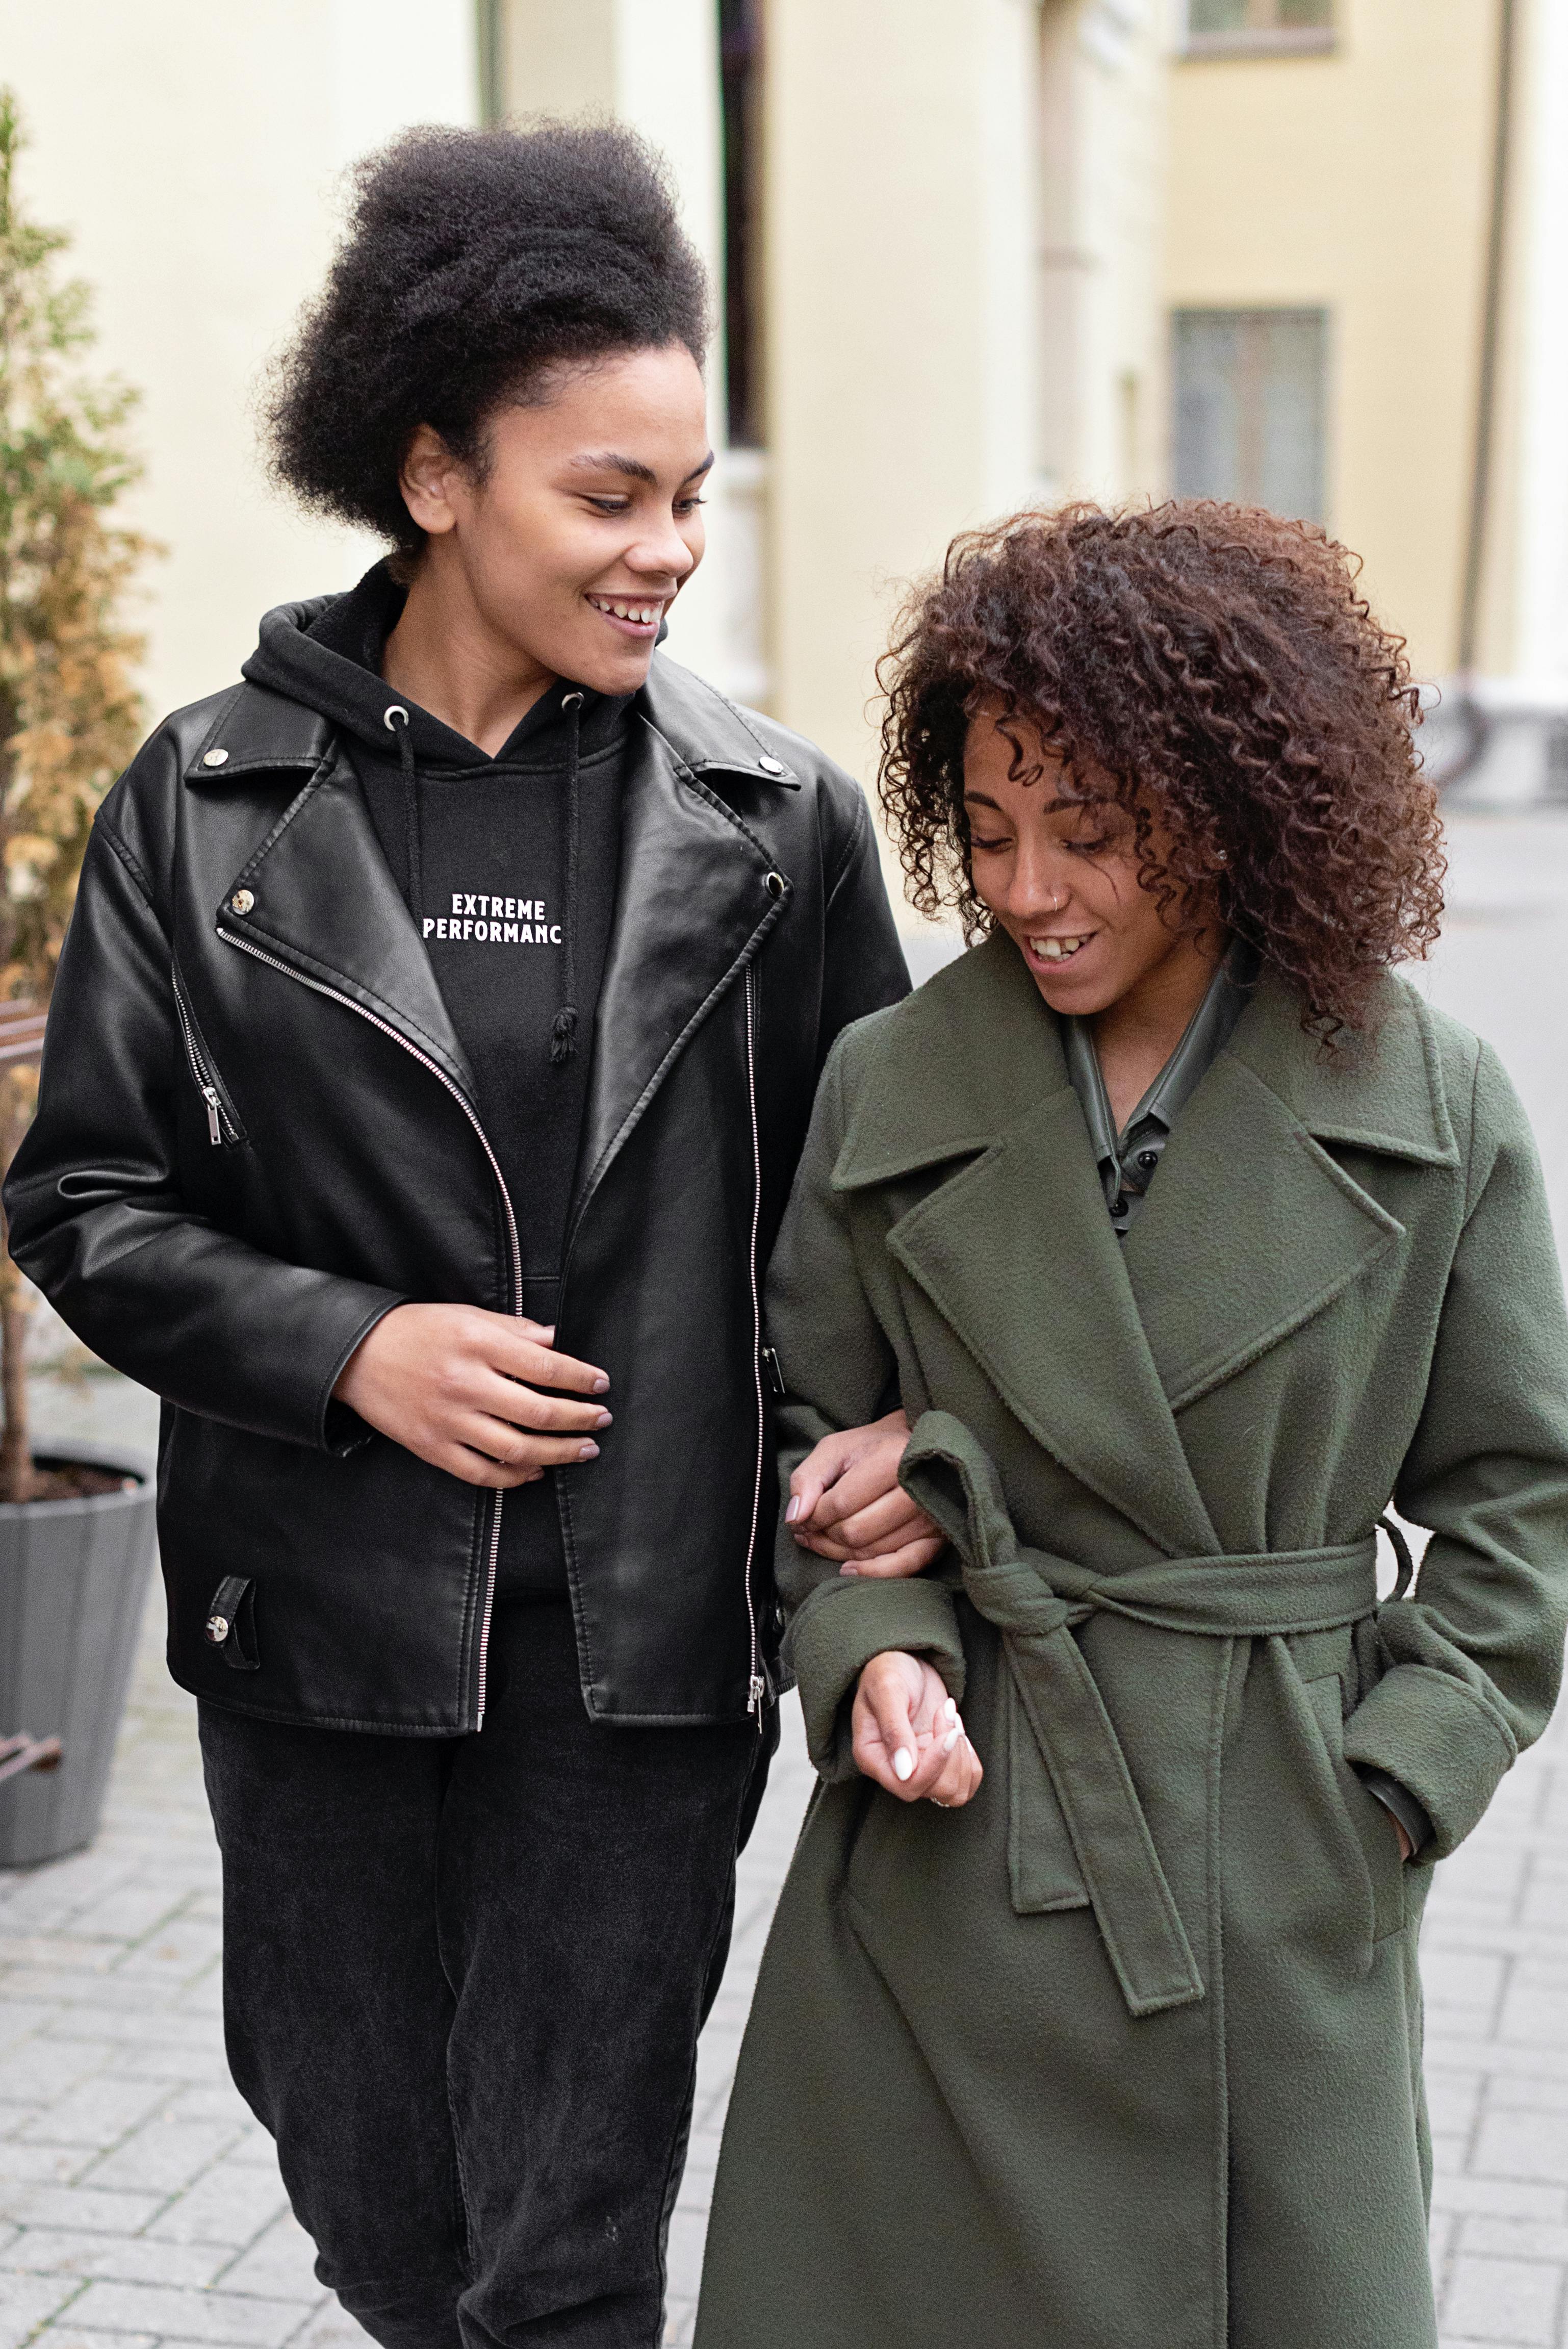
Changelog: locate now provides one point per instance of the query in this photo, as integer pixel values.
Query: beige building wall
(1358, 181)
(195, 152)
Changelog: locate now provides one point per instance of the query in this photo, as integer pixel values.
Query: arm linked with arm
(840, 1370)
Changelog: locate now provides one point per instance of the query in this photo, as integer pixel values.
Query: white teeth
(1054, 949)
(644, 613)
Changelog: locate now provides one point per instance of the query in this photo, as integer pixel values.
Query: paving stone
(163, 2153)
(229, 2318)
(39, 2070)
(82, 2206)
(226, 2204)
(330, 2327)
(26, 2302)
(1513, 2301)
(97, 2111)
(279, 2265)
(128, 2259)
(63, 2334)
(1518, 2142)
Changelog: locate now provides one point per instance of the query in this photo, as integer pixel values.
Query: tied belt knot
(1035, 1600)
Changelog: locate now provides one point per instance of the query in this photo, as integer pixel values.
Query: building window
(1251, 408)
(1237, 27)
(740, 60)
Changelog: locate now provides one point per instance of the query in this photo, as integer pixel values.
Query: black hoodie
(481, 849)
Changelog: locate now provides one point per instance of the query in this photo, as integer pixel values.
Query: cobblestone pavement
(140, 2203)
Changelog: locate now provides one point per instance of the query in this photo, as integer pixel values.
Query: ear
(432, 482)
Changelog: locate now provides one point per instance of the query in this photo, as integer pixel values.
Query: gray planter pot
(72, 1580)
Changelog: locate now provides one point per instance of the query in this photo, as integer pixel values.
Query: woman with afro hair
(1136, 1268)
(430, 1057)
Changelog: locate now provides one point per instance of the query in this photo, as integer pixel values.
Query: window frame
(1259, 40)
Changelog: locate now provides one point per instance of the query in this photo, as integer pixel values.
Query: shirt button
(775, 884)
(1148, 1158)
(217, 1627)
(241, 902)
(215, 758)
(772, 766)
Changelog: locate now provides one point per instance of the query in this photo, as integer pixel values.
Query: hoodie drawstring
(563, 1034)
(395, 720)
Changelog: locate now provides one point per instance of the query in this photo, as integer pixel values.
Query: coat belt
(1035, 1600)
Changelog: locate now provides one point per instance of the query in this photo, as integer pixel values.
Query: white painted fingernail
(951, 1710)
(950, 1741)
(904, 1764)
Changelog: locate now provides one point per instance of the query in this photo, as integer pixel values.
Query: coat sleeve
(841, 1370)
(95, 1211)
(1474, 1657)
(863, 968)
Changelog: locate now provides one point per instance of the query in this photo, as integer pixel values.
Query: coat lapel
(1245, 1171)
(1014, 1248)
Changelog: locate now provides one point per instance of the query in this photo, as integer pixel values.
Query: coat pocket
(1376, 1837)
(231, 1624)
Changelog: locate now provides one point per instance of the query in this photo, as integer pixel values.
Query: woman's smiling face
(1059, 872)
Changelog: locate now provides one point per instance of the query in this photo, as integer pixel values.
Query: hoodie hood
(325, 654)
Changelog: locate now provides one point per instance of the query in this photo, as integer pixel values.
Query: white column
(900, 318)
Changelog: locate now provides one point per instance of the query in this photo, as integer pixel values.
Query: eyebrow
(1047, 807)
(608, 460)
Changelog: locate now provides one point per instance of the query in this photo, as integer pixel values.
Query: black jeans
(463, 1980)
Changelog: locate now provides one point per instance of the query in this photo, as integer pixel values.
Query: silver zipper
(220, 1126)
(336, 995)
(757, 1687)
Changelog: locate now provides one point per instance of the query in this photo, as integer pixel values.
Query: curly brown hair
(1211, 668)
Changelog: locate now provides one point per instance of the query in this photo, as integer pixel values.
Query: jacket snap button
(215, 758)
(242, 901)
(775, 884)
(217, 1629)
(772, 766)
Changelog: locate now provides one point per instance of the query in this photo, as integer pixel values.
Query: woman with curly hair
(431, 1054)
(1188, 1239)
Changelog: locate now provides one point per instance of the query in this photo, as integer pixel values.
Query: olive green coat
(1126, 2055)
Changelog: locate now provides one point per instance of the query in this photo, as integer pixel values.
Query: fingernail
(951, 1740)
(843, 1569)
(601, 1384)
(793, 1511)
(904, 1764)
(588, 1452)
(605, 1419)
(951, 1710)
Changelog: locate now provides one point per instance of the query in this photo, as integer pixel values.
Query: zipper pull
(754, 1700)
(214, 1130)
(775, 1370)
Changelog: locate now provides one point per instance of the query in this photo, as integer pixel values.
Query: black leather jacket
(256, 1134)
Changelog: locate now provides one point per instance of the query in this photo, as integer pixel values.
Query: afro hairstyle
(476, 264)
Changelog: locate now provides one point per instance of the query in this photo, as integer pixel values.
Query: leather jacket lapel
(324, 902)
(698, 893)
